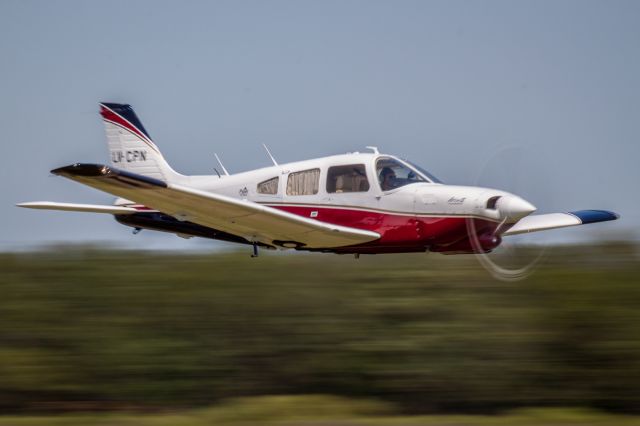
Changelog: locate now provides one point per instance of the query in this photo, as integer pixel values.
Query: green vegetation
(86, 330)
(319, 410)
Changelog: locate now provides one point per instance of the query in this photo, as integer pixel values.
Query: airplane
(355, 203)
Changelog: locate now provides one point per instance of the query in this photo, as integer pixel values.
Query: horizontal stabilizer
(543, 222)
(70, 207)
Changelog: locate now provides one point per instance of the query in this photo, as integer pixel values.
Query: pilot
(387, 178)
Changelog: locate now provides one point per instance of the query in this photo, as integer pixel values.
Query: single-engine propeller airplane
(357, 203)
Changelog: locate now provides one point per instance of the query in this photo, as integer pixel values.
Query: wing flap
(244, 218)
(543, 222)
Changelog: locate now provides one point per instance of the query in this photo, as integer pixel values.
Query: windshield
(431, 177)
(394, 174)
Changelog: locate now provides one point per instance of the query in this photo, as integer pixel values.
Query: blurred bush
(86, 329)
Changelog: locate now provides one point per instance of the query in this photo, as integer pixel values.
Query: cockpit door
(400, 200)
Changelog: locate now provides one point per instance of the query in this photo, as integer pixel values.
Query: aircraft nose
(514, 208)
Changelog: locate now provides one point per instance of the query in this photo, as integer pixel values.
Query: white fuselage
(426, 198)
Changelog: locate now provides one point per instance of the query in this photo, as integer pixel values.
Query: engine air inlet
(491, 202)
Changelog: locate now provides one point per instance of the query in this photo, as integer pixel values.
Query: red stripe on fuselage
(400, 232)
(396, 230)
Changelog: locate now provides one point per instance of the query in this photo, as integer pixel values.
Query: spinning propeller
(511, 260)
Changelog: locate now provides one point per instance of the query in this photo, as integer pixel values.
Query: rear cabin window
(268, 186)
(305, 182)
(351, 178)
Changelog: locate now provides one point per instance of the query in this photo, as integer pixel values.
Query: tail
(130, 145)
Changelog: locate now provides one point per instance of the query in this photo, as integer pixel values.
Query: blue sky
(536, 97)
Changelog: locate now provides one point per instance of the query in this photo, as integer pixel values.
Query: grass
(322, 410)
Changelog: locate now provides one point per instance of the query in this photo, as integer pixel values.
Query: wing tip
(594, 216)
(88, 170)
(82, 169)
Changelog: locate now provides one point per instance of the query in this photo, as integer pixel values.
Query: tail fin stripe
(115, 118)
(152, 146)
(125, 111)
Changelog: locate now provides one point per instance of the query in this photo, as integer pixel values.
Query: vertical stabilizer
(130, 146)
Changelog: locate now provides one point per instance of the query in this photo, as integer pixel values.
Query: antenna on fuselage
(221, 165)
(374, 149)
(275, 163)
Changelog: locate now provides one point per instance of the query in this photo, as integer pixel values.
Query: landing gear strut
(255, 250)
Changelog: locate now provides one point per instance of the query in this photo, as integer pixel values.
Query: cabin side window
(351, 178)
(305, 182)
(269, 186)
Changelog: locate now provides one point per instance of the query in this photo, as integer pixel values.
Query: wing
(69, 207)
(243, 218)
(543, 222)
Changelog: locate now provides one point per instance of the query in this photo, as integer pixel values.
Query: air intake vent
(491, 202)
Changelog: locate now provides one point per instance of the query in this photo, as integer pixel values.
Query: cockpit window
(423, 171)
(393, 174)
